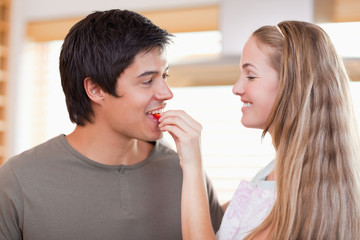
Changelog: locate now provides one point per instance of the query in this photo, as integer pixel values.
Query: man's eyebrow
(147, 73)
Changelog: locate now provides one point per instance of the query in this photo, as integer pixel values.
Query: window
(41, 107)
(192, 46)
(345, 37)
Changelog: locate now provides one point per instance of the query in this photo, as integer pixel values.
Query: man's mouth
(156, 113)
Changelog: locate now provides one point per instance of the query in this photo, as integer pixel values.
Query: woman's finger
(181, 119)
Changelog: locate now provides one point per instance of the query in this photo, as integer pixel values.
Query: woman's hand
(186, 133)
(195, 214)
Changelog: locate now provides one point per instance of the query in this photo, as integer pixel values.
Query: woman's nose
(238, 88)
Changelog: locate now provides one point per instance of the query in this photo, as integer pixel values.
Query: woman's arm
(195, 214)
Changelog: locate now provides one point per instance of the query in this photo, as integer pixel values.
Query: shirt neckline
(104, 166)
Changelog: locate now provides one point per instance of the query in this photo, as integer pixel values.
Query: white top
(250, 205)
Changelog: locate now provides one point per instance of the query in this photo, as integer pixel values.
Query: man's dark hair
(101, 47)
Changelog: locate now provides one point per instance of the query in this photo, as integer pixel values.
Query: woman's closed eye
(165, 76)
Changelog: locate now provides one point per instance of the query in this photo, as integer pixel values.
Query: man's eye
(147, 82)
(250, 77)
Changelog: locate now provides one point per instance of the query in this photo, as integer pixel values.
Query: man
(109, 178)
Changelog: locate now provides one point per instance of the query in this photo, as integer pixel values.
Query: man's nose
(163, 92)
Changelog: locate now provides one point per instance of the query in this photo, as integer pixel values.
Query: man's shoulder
(37, 153)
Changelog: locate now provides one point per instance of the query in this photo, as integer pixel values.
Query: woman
(294, 87)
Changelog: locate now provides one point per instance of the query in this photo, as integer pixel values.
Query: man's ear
(93, 90)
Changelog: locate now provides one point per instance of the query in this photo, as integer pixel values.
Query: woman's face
(257, 85)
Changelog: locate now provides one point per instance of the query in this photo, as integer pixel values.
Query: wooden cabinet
(4, 46)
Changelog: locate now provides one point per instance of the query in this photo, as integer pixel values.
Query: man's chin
(160, 135)
(154, 137)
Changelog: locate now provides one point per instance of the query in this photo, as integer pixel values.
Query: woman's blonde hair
(315, 135)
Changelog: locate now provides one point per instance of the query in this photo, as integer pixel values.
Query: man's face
(142, 89)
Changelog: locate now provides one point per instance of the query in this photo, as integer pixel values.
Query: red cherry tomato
(157, 116)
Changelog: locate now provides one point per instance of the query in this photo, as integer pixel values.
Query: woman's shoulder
(264, 172)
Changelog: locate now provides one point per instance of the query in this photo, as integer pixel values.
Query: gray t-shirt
(53, 192)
